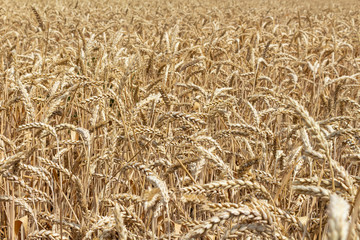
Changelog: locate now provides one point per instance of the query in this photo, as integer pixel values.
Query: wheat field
(179, 119)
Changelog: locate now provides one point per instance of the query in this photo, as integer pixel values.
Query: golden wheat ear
(38, 19)
(143, 119)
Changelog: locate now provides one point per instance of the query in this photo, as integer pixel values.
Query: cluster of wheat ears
(179, 120)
